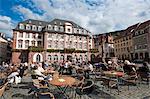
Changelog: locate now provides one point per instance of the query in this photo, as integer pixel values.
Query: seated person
(144, 70)
(37, 72)
(40, 68)
(14, 76)
(129, 69)
(40, 75)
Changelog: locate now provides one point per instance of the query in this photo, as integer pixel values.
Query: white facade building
(54, 41)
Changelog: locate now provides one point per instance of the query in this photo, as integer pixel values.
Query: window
(85, 46)
(86, 58)
(39, 28)
(38, 58)
(62, 57)
(57, 36)
(56, 58)
(61, 44)
(49, 57)
(27, 35)
(56, 28)
(34, 27)
(61, 28)
(49, 35)
(20, 34)
(20, 43)
(75, 44)
(50, 43)
(80, 58)
(80, 45)
(26, 43)
(39, 43)
(56, 44)
(34, 36)
(80, 38)
(49, 27)
(21, 26)
(28, 27)
(145, 46)
(39, 36)
(62, 36)
(33, 43)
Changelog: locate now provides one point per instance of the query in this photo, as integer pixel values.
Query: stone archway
(37, 57)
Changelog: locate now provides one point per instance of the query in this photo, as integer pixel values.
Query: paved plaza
(20, 91)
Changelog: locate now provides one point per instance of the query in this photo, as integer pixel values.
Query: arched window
(49, 57)
(62, 57)
(55, 57)
(38, 58)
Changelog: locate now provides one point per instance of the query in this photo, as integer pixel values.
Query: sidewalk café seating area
(82, 82)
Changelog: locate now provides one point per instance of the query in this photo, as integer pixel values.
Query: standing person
(22, 69)
(69, 67)
(88, 69)
(66, 66)
(61, 67)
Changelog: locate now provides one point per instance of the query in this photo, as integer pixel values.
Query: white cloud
(98, 16)
(6, 25)
(27, 13)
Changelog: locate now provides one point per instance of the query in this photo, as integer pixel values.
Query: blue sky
(97, 16)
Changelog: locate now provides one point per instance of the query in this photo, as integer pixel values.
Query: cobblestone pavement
(20, 91)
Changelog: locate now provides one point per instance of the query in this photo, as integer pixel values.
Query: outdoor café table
(114, 77)
(63, 82)
(113, 73)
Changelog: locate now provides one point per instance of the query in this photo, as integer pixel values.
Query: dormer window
(80, 31)
(77, 31)
(56, 28)
(61, 28)
(40, 23)
(34, 27)
(49, 27)
(28, 27)
(21, 26)
(55, 22)
(39, 28)
(30, 21)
